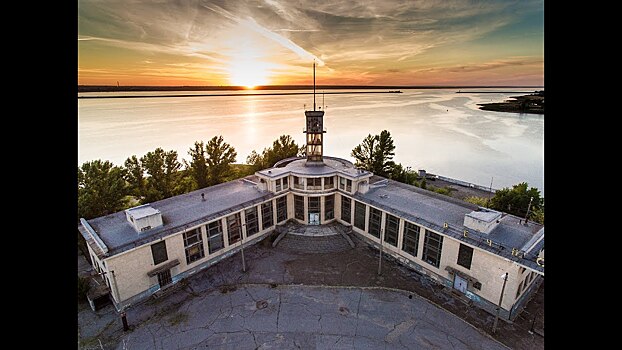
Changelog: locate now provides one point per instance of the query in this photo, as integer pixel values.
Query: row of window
(193, 240)
(433, 243)
(315, 183)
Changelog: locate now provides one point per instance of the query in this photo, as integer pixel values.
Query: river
(438, 130)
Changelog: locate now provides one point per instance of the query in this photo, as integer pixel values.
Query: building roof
(332, 166)
(511, 238)
(178, 212)
(434, 210)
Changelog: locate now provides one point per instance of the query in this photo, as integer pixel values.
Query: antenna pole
(314, 85)
(490, 190)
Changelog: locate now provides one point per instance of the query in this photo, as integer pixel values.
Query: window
(214, 236)
(164, 278)
(329, 207)
(298, 183)
(432, 247)
(299, 207)
(346, 209)
(465, 256)
(158, 251)
(314, 204)
(285, 183)
(375, 216)
(281, 209)
(359, 215)
(329, 182)
(477, 285)
(391, 228)
(521, 271)
(345, 184)
(266, 215)
(234, 228)
(410, 242)
(193, 244)
(278, 185)
(314, 183)
(252, 225)
(518, 290)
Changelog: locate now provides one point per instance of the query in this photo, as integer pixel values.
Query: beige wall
(486, 267)
(131, 267)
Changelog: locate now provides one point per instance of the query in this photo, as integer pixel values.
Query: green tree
(407, 176)
(481, 201)
(376, 154)
(101, 189)
(515, 200)
(364, 154)
(135, 177)
(282, 148)
(220, 156)
(383, 154)
(162, 168)
(198, 165)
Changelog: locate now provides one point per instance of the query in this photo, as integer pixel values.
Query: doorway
(460, 284)
(314, 218)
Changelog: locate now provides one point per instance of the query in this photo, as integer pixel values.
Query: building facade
(144, 250)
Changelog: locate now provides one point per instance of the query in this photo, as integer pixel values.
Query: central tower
(314, 131)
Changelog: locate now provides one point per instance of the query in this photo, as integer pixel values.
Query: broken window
(281, 209)
(299, 207)
(252, 224)
(375, 216)
(329, 207)
(193, 245)
(214, 236)
(346, 209)
(234, 228)
(266, 215)
(391, 228)
(410, 242)
(432, 247)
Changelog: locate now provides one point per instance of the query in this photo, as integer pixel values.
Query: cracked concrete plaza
(287, 317)
(327, 300)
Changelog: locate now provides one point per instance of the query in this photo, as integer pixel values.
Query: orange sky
(274, 42)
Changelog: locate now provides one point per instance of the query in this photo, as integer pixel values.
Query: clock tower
(315, 132)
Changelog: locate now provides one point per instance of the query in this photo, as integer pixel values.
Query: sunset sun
(248, 73)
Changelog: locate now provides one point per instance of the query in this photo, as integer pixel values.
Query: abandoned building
(144, 250)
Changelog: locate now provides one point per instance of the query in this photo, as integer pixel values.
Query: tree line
(105, 188)
(376, 153)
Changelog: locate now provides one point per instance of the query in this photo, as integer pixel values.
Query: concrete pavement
(275, 270)
(286, 317)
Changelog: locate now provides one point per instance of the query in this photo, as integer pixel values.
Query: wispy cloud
(358, 39)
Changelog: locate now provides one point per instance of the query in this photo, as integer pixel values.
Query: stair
(314, 244)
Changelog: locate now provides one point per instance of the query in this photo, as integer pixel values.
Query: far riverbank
(533, 103)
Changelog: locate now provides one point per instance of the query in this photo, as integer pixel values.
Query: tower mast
(314, 85)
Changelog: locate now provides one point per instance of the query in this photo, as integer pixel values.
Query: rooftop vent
(483, 220)
(143, 217)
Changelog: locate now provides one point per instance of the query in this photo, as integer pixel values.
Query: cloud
(351, 37)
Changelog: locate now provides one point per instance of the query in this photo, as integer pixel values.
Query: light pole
(380, 256)
(242, 247)
(494, 325)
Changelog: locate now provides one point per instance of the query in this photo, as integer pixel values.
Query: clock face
(314, 124)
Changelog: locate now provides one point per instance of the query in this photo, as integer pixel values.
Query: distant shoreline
(265, 94)
(110, 88)
(532, 103)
